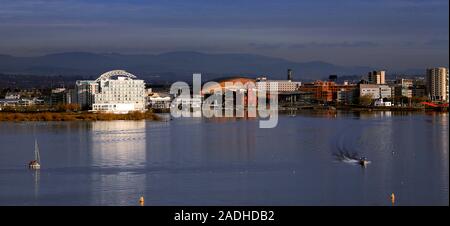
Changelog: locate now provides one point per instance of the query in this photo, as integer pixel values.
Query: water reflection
(36, 176)
(118, 143)
(117, 146)
(441, 121)
(231, 161)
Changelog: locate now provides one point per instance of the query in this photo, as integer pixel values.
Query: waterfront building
(403, 88)
(12, 96)
(346, 92)
(377, 77)
(419, 88)
(320, 89)
(290, 76)
(381, 103)
(345, 96)
(9, 102)
(148, 91)
(58, 96)
(159, 101)
(283, 85)
(326, 91)
(85, 90)
(20, 102)
(437, 84)
(404, 82)
(288, 85)
(239, 85)
(70, 96)
(369, 90)
(375, 91)
(115, 91)
(400, 91)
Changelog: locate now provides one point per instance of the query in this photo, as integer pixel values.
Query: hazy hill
(172, 66)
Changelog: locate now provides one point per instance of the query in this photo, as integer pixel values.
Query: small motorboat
(363, 162)
(35, 164)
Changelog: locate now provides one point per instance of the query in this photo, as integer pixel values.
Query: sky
(397, 34)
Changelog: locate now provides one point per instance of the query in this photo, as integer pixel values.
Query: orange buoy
(393, 198)
(141, 200)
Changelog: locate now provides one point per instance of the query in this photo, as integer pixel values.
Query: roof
(109, 74)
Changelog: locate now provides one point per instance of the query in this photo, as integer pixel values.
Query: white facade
(376, 91)
(12, 96)
(381, 103)
(121, 95)
(158, 102)
(385, 91)
(114, 108)
(283, 85)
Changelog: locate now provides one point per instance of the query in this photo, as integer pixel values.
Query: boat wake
(344, 155)
(349, 158)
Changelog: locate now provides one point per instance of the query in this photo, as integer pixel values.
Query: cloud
(323, 29)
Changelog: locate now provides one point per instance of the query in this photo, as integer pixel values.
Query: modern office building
(71, 96)
(159, 101)
(115, 91)
(85, 90)
(290, 76)
(345, 96)
(375, 91)
(419, 88)
(58, 96)
(377, 77)
(283, 85)
(437, 84)
(385, 91)
(326, 91)
(403, 88)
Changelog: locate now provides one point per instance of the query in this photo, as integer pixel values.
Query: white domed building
(115, 91)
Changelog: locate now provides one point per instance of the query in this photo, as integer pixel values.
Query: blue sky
(381, 33)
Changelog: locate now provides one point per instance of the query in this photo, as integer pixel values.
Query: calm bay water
(229, 161)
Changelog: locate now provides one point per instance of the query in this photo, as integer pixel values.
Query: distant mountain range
(173, 66)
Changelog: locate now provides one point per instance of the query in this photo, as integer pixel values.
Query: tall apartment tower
(437, 84)
(289, 74)
(377, 77)
(85, 91)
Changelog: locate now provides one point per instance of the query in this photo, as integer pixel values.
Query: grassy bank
(76, 116)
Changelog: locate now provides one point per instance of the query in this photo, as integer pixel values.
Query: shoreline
(363, 108)
(152, 116)
(75, 116)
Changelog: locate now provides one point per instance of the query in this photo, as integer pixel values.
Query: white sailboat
(35, 164)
